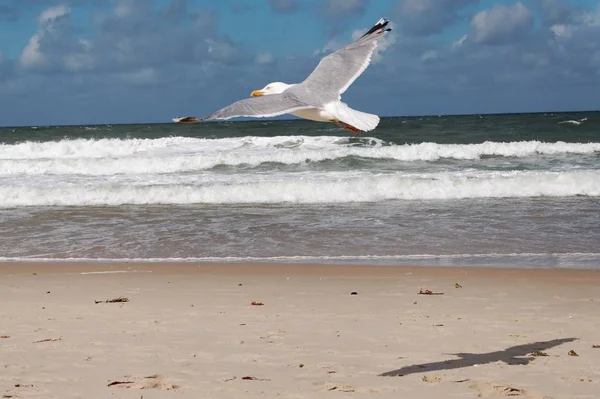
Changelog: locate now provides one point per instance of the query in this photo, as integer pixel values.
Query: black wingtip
(379, 26)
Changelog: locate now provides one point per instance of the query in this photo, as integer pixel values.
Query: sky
(146, 61)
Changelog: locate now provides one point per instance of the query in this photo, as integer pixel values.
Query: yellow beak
(257, 93)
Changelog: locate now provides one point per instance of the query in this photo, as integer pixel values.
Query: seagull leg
(347, 127)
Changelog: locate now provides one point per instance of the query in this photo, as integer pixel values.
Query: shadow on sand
(514, 355)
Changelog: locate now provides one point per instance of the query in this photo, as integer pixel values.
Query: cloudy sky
(127, 61)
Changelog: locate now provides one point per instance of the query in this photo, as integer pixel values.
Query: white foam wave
(181, 154)
(573, 121)
(308, 188)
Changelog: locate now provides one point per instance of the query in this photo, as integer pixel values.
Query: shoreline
(370, 262)
(164, 267)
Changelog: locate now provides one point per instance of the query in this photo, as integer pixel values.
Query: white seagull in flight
(318, 97)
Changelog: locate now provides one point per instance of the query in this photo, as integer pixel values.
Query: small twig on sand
(429, 292)
(254, 303)
(254, 378)
(114, 300)
(48, 340)
(112, 384)
(341, 389)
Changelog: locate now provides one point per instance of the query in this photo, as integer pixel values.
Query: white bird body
(313, 114)
(318, 97)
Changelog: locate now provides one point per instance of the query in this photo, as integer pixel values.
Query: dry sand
(190, 331)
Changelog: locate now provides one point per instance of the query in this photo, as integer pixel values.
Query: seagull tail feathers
(379, 28)
(360, 120)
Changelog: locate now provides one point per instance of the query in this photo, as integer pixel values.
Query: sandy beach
(192, 331)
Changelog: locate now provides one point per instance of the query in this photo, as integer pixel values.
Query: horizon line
(259, 120)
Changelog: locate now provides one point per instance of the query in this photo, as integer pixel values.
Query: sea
(517, 190)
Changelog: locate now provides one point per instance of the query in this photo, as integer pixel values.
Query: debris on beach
(429, 292)
(114, 300)
(112, 384)
(581, 378)
(4, 336)
(250, 378)
(354, 293)
(254, 303)
(48, 340)
(510, 391)
(341, 388)
(432, 378)
(456, 285)
(573, 353)
(593, 346)
(539, 353)
(155, 381)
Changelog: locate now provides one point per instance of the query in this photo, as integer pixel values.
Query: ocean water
(488, 190)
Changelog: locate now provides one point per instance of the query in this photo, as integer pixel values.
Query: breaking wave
(182, 154)
(308, 188)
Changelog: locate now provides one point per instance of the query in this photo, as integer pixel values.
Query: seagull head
(271, 88)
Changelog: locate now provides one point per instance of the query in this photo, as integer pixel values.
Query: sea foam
(181, 154)
(323, 187)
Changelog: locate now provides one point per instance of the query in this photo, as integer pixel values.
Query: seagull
(318, 97)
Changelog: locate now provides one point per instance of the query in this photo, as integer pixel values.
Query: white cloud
(51, 14)
(32, 56)
(501, 23)
(581, 20)
(331, 46)
(221, 49)
(264, 58)
(429, 55)
(562, 30)
(460, 41)
(592, 18)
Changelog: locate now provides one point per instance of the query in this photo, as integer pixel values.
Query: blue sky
(127, 61)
